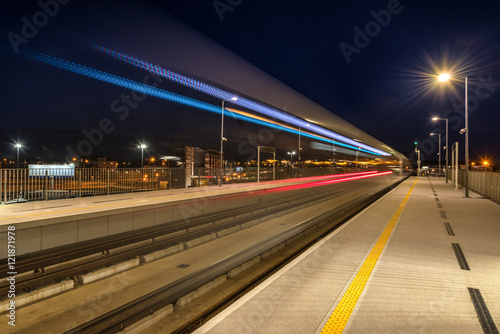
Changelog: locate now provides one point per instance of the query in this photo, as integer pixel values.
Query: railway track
(122, 317)
(54, 265)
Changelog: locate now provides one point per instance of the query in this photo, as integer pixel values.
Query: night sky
(380, 77)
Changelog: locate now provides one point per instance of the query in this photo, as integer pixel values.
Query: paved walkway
(411, 263)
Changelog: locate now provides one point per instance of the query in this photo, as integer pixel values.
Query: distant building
(201, 166)
(103, 163)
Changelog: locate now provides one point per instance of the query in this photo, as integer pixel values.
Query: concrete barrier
(236, 271)
(169, 235)
(145, 323)
(125, 248)
(273, 250)
(223, 221)
(106, 272)
(33, 296)
(74, 262)
(251, 223)
(201, 240)
(200, 227)
(162, 253)
(228, 231)
(294, 238)
(183, 301)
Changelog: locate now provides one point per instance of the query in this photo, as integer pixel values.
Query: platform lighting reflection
(221, 94)
(160, 93)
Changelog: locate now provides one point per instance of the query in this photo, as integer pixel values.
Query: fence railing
(484, 183)
(18, 185)
(21, 185)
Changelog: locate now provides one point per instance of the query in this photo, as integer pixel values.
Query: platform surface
(415, 285)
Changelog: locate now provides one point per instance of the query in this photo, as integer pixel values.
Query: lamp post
(446, 148)
(357, 152)
(222, 139)
(333, 157)
(445, 77)
(142, 147)
(18, 146)
(291, 157)
(439, 154)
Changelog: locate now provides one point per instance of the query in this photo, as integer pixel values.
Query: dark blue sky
(384, 87)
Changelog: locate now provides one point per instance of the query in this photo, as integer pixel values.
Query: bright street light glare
(435, 118)
(18, 145)
(444, 77)
(234, 98)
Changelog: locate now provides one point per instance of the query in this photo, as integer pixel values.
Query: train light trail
(221, 94)
(166, 95)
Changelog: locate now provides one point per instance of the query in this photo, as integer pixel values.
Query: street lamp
(333, 157)
(18, 146)
(222, 139)
(142, 147)
(357, 152)
(291, 157)
(446, 148)
(445, 77)
(439, 144)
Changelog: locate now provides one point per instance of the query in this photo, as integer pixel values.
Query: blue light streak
(224, 95)
(165, 95)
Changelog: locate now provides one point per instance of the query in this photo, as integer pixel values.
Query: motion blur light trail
(343, 178)
(168, 96)
(264, 121)
(223, 95)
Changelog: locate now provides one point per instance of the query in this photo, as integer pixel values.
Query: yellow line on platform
(340, 316)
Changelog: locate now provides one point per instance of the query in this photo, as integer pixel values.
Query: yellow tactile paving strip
(340, 316)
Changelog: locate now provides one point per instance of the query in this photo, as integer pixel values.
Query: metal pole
(453, 163)
(446, 167)
(456, 166)
(274, 165)
(258, 164)
(439, 154)
(466, 141)
(418, 170)
(357, 160)
(299, 161)
(221, 142)
(333, 153)
(79, 183)
(299, 146)
(142, 157)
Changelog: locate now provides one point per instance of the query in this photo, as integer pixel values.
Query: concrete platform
(416, 285)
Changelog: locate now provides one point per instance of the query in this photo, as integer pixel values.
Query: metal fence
(484, 183)
(19, 185)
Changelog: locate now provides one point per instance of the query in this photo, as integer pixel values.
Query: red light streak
(345, 178)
